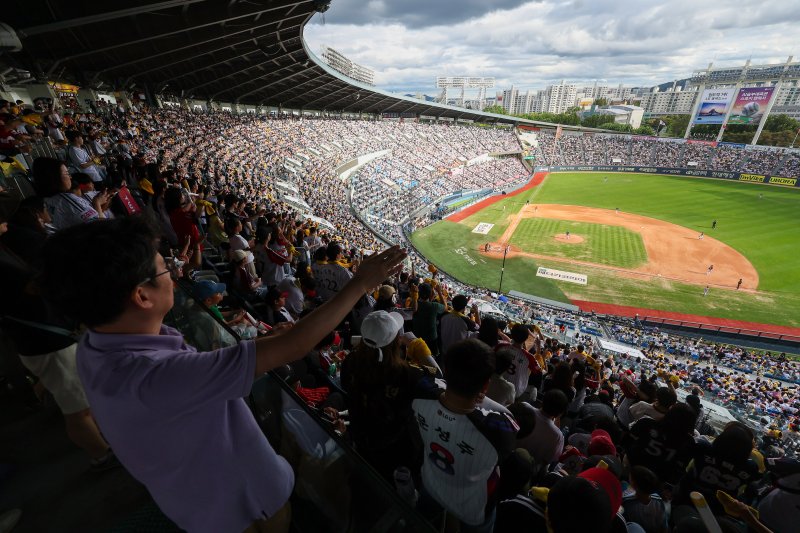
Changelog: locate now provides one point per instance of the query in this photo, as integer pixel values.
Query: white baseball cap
(379, 329)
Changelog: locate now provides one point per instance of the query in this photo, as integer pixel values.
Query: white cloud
(533, 44)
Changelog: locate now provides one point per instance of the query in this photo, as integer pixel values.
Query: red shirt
(184, 225)
(8, 139)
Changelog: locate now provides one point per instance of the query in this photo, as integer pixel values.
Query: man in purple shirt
(175, 417)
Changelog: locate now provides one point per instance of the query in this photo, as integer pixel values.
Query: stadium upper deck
(211, 50)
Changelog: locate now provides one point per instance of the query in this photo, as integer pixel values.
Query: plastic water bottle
(405, 485)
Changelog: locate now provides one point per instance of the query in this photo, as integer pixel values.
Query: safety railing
(766, 335)
(335, 489)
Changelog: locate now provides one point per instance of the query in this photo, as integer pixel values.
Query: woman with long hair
(380, 387)
(181, 215)
(28, 229)
(722, 465)
(562, 379)
(159, 208)
(274, 256)
(491, 333)
(664, 446)
(53, 182)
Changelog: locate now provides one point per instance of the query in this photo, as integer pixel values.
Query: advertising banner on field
(713, 106)
(483, 228)
(561, 275)
(750, 105)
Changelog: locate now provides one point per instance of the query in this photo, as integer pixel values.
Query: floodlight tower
(463, 83)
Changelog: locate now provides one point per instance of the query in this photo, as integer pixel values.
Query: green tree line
(779, 130)
(572, 118)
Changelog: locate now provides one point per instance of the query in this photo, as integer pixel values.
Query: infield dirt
(673, 252)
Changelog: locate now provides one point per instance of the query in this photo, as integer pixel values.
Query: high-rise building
(672, 102)
(553, 99)
(337, 61)
(509, 100)
(559, 98)
(784, 76)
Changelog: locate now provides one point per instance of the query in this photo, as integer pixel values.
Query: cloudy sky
(535, 43)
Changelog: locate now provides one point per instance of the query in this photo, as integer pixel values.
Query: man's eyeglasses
(172, 270)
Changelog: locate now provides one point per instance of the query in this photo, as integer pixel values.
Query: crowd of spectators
(387, 192)
(617, 151)
(563, 427)
(757, 160)
(728, 158)
(756, 384)
(696, 155)
(607, 149)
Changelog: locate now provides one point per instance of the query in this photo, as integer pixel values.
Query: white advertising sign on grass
(483, 228)
(560, 275)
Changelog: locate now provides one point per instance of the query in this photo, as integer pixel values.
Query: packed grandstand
(153, 259)
(243, 181)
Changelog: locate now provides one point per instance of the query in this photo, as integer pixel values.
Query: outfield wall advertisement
(718, 174)
(713, 106)
(750, 105)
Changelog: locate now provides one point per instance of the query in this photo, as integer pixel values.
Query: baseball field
(640, 240)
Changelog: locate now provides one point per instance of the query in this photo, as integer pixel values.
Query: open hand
(377, 267)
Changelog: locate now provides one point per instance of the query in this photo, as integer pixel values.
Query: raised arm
(272, 352)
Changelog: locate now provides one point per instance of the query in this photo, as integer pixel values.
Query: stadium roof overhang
(239, 51)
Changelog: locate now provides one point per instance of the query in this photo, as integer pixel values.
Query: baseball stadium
(247, 287)
(623, 232)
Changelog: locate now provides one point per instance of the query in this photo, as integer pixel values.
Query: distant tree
(594, 121)
(706, 129)
(644, 129)
(737, 137)
(741, 128)
(613, 126)
(655, 123)
(676, 124)
(781, 123)
(497, 109)
(777, 138)
(568, 117)
(601, 102)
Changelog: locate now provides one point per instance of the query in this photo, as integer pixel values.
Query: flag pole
(503, 269)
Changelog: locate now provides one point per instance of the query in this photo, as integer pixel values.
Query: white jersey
(331, 278)
(79, 156)
(313, 243)
(461, 454)
(238, 242)
(520, 369)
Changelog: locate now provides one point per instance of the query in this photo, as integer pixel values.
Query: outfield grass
(455, 249)
(763, 229)
(603, 244)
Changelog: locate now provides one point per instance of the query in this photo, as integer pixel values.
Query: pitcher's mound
(573, 239)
